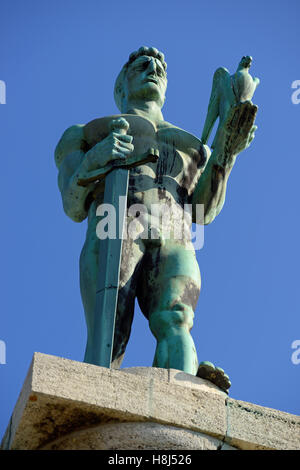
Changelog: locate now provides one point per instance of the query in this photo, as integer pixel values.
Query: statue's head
(246, 61)
(143, 78)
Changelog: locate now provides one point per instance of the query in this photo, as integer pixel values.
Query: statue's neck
(147, 109)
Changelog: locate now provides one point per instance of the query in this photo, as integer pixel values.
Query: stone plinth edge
(66, 404)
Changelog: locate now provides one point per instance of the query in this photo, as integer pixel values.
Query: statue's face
(146, 80)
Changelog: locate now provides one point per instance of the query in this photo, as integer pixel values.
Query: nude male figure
(162, 273)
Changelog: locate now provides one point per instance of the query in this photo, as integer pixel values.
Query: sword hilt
(120, 126)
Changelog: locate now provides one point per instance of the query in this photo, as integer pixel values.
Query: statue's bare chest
(181, 158)
(181, 155)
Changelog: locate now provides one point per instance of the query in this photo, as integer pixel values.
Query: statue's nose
(151, 67)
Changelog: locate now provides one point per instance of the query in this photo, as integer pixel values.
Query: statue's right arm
(70, 160)
(74, 164)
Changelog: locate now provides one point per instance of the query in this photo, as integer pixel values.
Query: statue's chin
(149, 91)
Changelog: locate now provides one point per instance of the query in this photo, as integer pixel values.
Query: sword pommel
(120, 126)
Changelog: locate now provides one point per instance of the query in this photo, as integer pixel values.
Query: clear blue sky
(59, 60)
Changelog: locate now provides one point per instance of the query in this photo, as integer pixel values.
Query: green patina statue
(153, 164)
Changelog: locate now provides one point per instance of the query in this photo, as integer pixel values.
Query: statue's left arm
(235, 135)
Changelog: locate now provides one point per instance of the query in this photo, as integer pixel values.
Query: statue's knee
(165, 321)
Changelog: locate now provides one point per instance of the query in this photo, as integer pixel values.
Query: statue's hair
(150, 51)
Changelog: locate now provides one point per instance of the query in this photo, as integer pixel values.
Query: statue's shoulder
(71, 141)
(179, 135)
(166, 125)
(166, 128)
(184, 141)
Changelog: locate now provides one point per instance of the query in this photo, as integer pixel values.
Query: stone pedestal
(71, 405)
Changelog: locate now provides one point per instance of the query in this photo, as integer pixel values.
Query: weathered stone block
(66, 404)
(135, 436)
(257, 427)
(61, 396)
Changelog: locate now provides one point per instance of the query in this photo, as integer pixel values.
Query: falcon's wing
(221, 75)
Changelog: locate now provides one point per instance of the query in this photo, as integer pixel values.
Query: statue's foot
(216, 375)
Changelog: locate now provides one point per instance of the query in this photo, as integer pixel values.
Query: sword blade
(110, 251)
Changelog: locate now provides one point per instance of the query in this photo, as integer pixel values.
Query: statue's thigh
(89, 265)
(132, 252)
(170, 277)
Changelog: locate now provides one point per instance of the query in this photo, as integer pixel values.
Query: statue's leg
(168, 295)
(131, 254)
